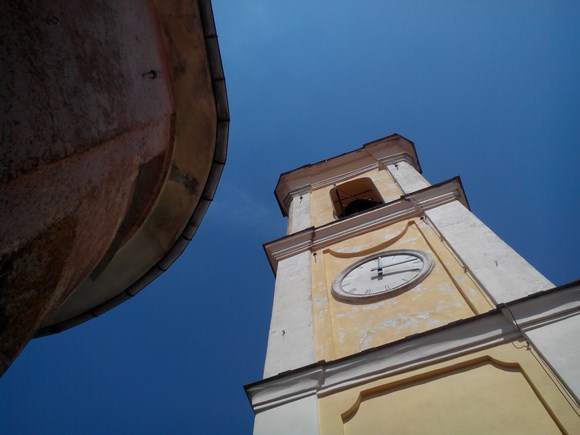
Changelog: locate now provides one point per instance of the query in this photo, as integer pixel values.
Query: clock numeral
(368, 291)
(354, 290)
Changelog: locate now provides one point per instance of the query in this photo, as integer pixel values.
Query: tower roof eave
(392, 147)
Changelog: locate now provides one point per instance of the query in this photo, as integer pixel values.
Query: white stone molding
(286, 387)
(524, 318)
(299, 417)
(409, 206)
(291, 338)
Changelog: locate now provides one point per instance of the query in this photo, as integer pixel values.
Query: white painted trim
(420, 350)
(286, 388)
(299, 417)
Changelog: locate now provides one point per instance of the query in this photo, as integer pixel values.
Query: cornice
(504, 324)
(306, 186)
(396, 158)
(389, 150)
(408, 206)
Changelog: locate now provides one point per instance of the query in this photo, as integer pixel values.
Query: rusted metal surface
(86, 146)
(200, 146)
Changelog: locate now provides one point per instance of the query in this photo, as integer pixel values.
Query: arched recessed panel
(482, 398)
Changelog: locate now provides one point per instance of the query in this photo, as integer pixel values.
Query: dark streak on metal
(188, 181)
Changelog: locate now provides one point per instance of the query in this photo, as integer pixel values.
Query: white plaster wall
(558, 344)
(499, 269)
(407, 176)
(299, 213)
(299, 417)
(291, 339)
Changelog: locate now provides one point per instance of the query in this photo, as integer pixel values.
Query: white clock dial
(383, 274)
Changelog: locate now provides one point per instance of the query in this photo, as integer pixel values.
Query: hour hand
(395, 272)
(379, 267)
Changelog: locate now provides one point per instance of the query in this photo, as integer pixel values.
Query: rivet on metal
(150, 75)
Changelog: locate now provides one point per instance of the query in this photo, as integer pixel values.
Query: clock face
(382, 275)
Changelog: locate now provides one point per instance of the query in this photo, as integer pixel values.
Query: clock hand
(379, 267)
(380, 275)
(391, 265)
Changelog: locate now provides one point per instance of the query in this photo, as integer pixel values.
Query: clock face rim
(341, 295)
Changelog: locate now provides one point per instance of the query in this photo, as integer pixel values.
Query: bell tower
(384, 279)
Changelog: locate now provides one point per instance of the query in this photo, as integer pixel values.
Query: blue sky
(486, 90)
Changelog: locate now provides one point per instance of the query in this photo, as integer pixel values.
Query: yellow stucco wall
(505, 389)
(322, 210)
(447, 294)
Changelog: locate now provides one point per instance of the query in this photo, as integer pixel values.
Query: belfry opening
(354, 196)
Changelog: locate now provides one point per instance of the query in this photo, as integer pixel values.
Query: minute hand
(394, 264)
(394, 272)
